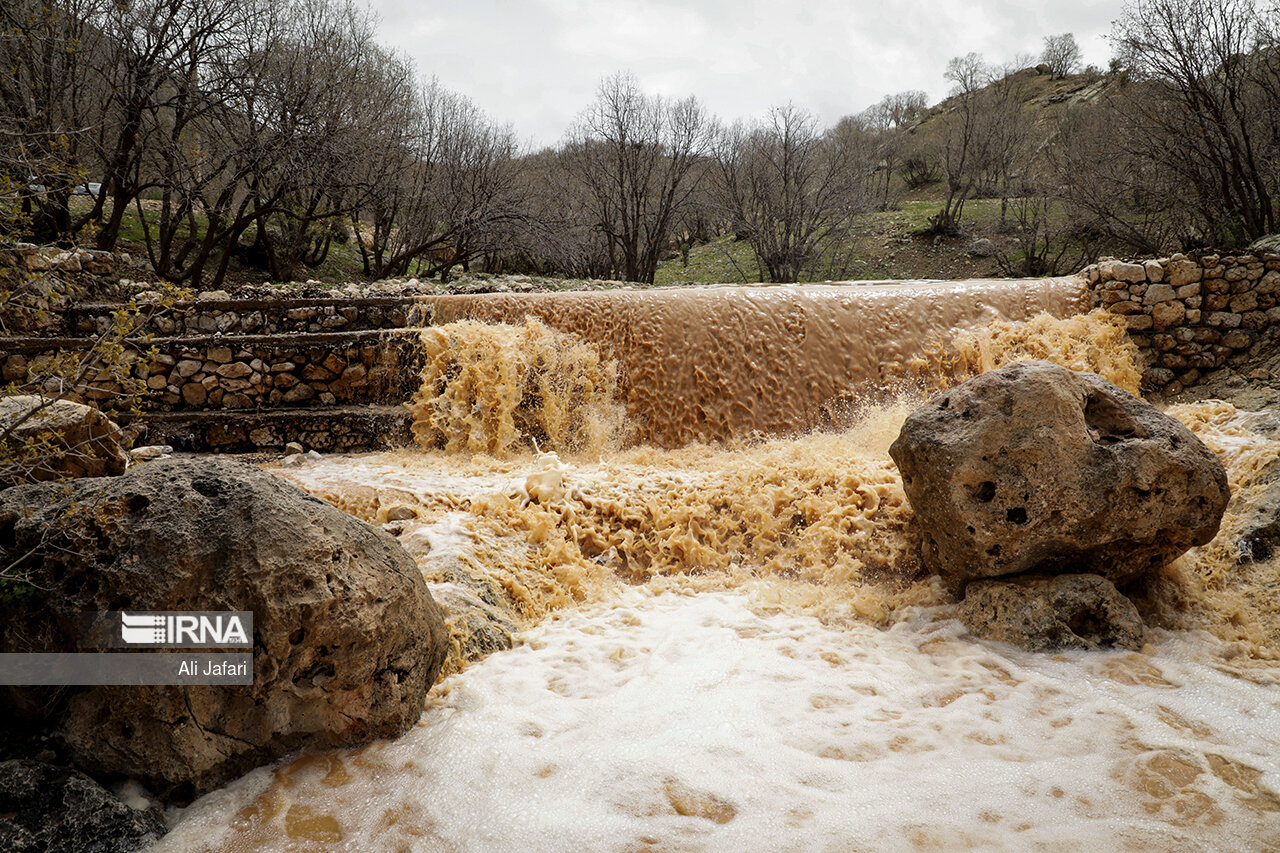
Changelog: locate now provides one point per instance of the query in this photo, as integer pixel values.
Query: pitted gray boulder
(1036, 468)
(346, 637)
(1044, 613)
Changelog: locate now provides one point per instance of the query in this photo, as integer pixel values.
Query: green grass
(883, 244)
(981, 215)
(131, 230)
(722, 261)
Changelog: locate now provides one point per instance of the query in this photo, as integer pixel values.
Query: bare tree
(897, 110)
(150, 72)
(1208, 84)
(203, 143)
(1111, 183)
(958, 139)
(1007, 134)
(253, 125)
(557, 233)
(47, 110)
(255, 130)
(787, 188)
(1045, 241)
(982, 133)
(918, 163)
(871, 156)
(326, 81)
(635, 155)
(879, 146)
(452, 200)
(1061, 54)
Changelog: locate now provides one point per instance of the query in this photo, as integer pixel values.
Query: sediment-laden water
(708, 363)
(732, 646)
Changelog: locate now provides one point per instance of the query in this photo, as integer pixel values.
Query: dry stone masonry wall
(250, 373)
(246, 372)
(38, 284)
(223, 373)
(215, 313)
(1192, 314)
(27, 259)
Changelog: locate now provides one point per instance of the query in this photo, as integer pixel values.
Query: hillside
(893, 243)
(1043, 94)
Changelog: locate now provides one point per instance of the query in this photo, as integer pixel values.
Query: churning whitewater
(731, 645)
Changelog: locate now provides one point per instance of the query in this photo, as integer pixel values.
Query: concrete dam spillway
(711, 363)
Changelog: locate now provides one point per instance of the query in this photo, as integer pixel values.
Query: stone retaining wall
(257, 316)
(251, 372)
(335, 429)
(37, 284)
(1192, 313)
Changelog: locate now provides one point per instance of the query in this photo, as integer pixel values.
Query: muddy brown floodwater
(709, 363)
(723, 637)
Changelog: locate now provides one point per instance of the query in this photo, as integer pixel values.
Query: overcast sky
(536, 63)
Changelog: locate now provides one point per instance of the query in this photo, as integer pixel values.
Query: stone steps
(328, 369)
(329, 391)
(214, 372)
(330, 429)
(257, 316)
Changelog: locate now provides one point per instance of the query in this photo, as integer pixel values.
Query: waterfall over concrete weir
(706, 363)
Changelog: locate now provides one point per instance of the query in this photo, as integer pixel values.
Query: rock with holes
(1044, 613)
(346, 637)
(1036, 468)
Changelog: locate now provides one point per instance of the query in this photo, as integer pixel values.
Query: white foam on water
(709, 722)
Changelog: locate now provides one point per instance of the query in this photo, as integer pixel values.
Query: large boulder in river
(1049, 612)
(346, 637)
(47, 439)
(1036, 468)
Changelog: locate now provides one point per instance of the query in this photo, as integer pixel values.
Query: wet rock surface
(1253, 387)
(347, 639)
(1259, 533)
(1034, 468)
(1044, 613)
(62, 439)
(47, 809)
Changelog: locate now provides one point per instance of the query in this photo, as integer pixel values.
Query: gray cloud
(536, 64)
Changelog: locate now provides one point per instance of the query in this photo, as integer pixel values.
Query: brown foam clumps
(819, 513)
(817, 523)
(503, 566)
(711, 363)
(1095, 342)
(1215, 586)
(493, 388)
